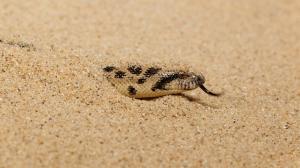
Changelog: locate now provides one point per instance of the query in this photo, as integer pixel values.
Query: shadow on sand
(187, 97)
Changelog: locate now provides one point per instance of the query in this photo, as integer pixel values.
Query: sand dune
(57, 110)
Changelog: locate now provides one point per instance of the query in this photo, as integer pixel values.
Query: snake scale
(148, 81)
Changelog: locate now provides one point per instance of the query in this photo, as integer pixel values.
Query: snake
(150, 81)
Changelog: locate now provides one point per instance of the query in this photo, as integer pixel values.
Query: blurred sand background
(56, 110)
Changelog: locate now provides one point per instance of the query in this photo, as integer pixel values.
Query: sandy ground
(56, 110)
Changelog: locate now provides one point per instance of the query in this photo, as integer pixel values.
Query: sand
(57, 110)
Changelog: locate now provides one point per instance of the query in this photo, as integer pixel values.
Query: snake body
(142, 81)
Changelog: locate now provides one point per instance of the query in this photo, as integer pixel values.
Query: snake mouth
(209, 92)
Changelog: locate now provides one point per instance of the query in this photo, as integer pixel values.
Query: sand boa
(145, 81)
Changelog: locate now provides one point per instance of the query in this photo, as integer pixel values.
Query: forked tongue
(209, 92)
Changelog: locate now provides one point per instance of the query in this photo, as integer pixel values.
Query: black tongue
(209, 92)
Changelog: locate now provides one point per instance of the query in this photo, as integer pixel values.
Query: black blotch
(131, 90)
(151, 71)
(163, 81)
(135, 69)
(120, 74)
(141, 80)
(108, 68)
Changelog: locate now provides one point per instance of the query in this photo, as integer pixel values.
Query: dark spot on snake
(131, 90)
(141, 80)
(108, 68)
(120, 74)
(135, 69)
(163, 81)
(151, 71)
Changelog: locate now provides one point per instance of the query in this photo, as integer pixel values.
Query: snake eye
(183, 75)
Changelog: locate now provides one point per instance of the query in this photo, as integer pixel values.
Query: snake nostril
(200, 79)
